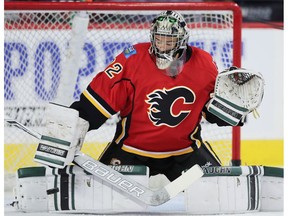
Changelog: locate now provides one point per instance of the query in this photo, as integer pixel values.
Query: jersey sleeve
(109, 92)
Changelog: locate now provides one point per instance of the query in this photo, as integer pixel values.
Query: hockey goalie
(161, 90)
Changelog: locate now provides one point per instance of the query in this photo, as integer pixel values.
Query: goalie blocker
(237, 92)
(65, 133)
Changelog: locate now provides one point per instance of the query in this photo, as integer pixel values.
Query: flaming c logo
(170, 106)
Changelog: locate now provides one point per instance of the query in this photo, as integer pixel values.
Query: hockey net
(47, 53)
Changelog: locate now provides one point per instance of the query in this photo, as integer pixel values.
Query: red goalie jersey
(160, 115)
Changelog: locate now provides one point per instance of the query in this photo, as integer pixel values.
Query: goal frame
(110, 6)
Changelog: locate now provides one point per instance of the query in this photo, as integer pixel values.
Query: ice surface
(174, 208)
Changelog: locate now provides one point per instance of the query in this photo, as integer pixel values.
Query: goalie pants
(172, 167)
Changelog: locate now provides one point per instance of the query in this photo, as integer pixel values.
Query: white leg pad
(235, 190)
(30, 193)
(74, 190)
(223, 194)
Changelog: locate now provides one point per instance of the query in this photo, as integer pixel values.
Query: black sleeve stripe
(98, 102)
(89, 112)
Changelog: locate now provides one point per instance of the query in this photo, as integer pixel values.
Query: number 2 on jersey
(115, 68)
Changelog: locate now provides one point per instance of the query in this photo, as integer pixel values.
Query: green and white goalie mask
(169, 37)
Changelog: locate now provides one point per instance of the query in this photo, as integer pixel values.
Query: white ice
(172, 208)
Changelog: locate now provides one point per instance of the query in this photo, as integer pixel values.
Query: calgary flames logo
(170, 107)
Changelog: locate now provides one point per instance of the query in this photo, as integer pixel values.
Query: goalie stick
(124, 183)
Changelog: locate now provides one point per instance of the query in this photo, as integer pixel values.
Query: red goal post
(38, 35)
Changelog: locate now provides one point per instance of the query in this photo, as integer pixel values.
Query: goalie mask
(169, 37)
